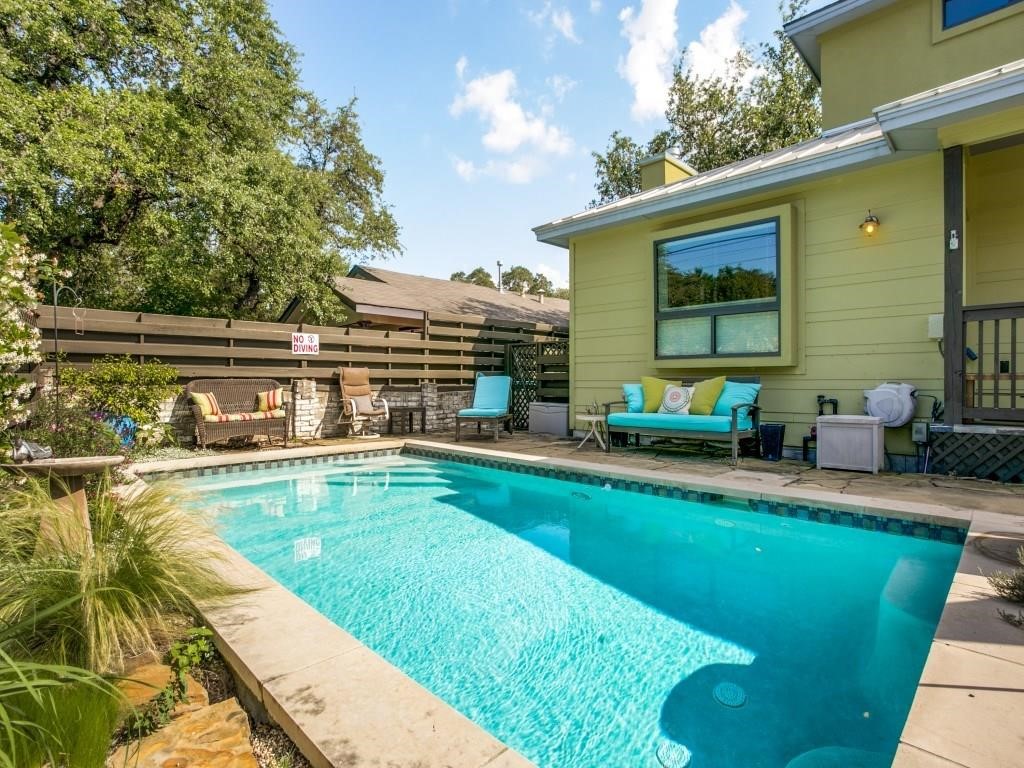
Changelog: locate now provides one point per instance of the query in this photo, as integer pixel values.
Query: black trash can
(771, 441)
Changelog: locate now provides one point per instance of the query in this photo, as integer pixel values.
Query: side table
(596, 424)
(402, 411)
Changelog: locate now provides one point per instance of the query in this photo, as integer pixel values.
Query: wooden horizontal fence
(450, 350)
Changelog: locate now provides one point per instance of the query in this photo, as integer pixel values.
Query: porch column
(953, 322)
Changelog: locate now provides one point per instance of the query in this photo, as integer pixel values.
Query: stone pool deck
(348, 707)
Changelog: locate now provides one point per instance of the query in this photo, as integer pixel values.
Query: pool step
(840, 757)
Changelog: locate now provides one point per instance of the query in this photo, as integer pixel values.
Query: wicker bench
(236, 396)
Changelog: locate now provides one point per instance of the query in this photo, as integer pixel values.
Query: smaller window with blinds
(717, 292)
(956, 12)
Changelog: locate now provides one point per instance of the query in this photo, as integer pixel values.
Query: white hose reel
(894, 403)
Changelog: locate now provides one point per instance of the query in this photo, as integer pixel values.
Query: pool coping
(959, 717)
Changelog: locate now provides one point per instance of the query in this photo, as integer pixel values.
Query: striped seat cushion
(270, 400)
(277, 413)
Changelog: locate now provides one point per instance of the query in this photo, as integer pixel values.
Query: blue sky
(484, 114)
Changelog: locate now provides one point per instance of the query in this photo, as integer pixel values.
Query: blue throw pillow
(735, 392)
(633, 394)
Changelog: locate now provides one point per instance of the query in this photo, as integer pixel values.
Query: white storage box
(851, 442)
(550, 418)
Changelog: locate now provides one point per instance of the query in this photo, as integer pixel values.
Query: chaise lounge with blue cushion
(491, 398)
(735, 415)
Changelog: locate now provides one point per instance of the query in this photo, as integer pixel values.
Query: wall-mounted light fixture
(871, 224)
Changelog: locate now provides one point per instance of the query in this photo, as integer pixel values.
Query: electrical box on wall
(919, 432)
(935, 327)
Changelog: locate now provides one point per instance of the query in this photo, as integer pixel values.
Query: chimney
(663, 168)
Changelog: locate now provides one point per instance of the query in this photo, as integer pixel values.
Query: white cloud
(560, 86)
(521, 170)
(561, 19)
(595, 6)
(647, 67)
(555, 275)
(525, 139)
(464, 168)
(712, 54)
(509, 126)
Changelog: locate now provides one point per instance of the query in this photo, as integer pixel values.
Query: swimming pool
(591, 627)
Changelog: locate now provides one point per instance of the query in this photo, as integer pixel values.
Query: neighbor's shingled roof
(370, 286)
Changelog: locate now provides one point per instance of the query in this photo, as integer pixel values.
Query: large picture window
(718, 292)
(956, 12)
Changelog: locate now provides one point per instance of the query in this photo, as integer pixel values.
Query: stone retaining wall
(315, 409)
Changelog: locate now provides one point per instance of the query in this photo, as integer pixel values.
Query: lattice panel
(977, 454)
(522, 367)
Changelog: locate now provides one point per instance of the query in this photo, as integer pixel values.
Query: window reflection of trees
(728, 284)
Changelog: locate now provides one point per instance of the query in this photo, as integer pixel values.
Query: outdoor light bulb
(870, 225)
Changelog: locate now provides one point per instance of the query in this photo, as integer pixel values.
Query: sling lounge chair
(491, 398)
(359, 405)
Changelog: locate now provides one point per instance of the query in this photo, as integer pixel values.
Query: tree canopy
(768, 100)
(513, 279)
(164, 152)
(478, 276)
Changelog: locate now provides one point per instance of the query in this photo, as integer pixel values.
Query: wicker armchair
(236, 396)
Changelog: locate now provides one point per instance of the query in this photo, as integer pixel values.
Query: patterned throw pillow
(271, 400)
(207, 403)
(676, 400)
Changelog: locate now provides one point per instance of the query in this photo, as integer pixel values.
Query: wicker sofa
(236, 397)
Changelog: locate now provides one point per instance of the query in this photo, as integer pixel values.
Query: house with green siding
(889, 249)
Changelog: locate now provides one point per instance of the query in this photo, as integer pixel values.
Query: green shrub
(69, 429)
(1010, 585)
(56, 715)
(183, 657)
(121, 386)
(152, 557)
(20, 270)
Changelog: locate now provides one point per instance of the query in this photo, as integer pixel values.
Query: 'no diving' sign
(305, 343)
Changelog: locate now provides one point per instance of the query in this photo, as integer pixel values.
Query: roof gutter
(875, 151)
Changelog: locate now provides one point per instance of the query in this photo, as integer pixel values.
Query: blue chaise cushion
(733, 393)
(672, 421)
(633, 394)
(490, 398)
(483, 413)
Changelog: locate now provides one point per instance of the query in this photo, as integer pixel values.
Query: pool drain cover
(730, 695)
(673, 755)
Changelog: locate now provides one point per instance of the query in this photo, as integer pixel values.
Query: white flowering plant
(19, 337)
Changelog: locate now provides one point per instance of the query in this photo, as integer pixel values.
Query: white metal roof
(804, 31)
(854, 145)
(913, 122)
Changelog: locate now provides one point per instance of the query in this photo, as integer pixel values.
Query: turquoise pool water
(591, 628)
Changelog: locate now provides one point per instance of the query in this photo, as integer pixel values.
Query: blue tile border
(229, 469)
(794, 510)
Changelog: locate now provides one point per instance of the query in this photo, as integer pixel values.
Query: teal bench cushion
(735, 392)
(670, 421)
(483, 413)
(492, 392)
